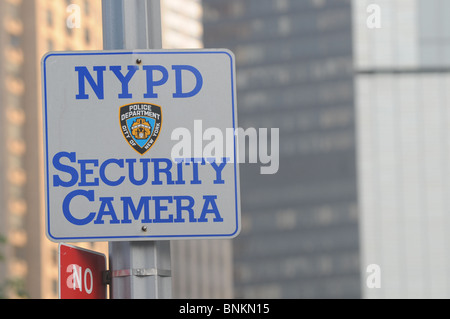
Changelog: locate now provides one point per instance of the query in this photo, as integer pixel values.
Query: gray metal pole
(139, 270)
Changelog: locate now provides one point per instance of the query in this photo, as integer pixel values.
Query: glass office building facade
(359, 90)
(299, 234)
(29, 29)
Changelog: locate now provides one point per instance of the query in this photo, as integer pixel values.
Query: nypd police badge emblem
(140, 124)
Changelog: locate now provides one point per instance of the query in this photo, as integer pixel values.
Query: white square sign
(132, 145)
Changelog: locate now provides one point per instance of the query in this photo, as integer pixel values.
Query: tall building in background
(11, 198)
(30, 29)
(296, 71)
(17, 127)
(403, 117)
(299, 235)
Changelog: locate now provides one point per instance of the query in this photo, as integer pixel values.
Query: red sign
(80, 273)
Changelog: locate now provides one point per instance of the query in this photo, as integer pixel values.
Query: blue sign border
(45, 122)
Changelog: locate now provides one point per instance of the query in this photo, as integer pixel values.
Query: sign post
(139, 270)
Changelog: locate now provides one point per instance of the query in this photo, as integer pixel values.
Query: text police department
(93, 173)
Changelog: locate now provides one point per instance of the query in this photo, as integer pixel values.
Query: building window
(55, 286)
(87, 9)
(49, 17)
(87, 36)
(14, 40)
(50, 46)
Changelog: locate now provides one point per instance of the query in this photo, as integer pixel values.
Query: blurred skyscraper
(13, 132)
(296, 71)
(28, 30)
(403, 124)
(299, 234)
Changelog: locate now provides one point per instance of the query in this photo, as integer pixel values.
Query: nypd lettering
(155, 76)
(82, 177)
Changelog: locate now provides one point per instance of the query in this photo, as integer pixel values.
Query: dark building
(294, 60)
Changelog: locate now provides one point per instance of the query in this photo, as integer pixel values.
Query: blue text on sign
(155, 75)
